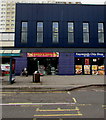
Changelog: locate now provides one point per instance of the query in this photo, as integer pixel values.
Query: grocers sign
(43, 54)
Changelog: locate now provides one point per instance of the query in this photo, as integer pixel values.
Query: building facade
(7, 18)
(65, 37)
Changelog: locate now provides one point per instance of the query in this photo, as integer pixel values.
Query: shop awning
(10, 53)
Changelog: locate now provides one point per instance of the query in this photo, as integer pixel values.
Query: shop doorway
(43, 64)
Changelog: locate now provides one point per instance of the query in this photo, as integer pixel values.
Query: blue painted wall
(66, 64)
(20, 63)
(61, 13)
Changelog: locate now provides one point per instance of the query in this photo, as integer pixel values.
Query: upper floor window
(39, 32)
(24, 32)
(100, 32)
(85, 32)
(70, 32)
(55, 30)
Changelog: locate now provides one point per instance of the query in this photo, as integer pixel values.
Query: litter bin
(36, 77)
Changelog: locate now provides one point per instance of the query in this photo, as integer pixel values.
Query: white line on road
(69, 93)
(75, 101)
(17, 104)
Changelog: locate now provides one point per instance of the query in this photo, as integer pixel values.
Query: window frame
(40, 32)
(24, 31)
(71, 32)
(55, 32)
(86, 41)
(102, 32)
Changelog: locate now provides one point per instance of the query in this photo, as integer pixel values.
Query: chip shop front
(89, 64)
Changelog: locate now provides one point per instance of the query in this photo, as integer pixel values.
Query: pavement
(53, 82)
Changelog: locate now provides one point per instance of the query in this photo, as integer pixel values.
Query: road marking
(30, 105)
(50, 115)
(4, 104)
(75, 101)
(104, 106)
(84, 104)
(34, 118)
(78, 110)
(69, 93)
(36, 92)
(44, 110)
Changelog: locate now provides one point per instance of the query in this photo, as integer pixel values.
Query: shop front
(7, 56)
(44, 62)
(89, 63)
(7, 65)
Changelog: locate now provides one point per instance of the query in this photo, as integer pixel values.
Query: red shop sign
(43, 54)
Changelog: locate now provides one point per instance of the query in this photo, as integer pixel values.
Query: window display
(101, 70)
(86, 69)
(87, 64)
(78, 69)
(94, 69)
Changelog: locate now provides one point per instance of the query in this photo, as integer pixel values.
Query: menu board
(101, 70)
(87, 69)
(94, 69)
(78, 69)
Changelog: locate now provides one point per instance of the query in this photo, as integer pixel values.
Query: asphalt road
(81, 103)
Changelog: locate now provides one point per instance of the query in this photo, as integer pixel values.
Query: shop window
(85, 32)
(55, 33)
(79, 61)
(100, 32)
(79, 65)
(24, 30)
(39, 32)
(94, 61)
(98, 66)
(70, 32)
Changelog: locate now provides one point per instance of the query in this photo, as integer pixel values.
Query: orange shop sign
(43, 54)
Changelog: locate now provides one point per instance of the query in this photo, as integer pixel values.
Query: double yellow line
(57, 110)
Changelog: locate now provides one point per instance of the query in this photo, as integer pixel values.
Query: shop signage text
(43, 54)
(89, 55)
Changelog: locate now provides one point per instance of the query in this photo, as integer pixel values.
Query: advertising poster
(94, 69)
(101, 70)
(87, 69)
(78, 69)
